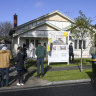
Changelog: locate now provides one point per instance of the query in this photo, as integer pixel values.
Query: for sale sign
(58, 46)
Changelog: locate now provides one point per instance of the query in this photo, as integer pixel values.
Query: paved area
(79, 89)
(69, 68)
(29, 79)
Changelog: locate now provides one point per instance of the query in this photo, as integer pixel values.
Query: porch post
(68, 47)
(18, 41)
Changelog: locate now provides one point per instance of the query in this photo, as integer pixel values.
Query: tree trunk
(81, 55)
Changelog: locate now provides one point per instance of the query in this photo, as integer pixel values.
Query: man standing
(93, 51)
(71, 54)
(40, 53)
(5, 56)
(31, 48)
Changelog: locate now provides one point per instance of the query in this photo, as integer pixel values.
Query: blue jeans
(40, 61)
(4, 70)
(93, 56)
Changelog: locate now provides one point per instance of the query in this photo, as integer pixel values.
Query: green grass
(32, 64)
(63, 75)
(67, 75)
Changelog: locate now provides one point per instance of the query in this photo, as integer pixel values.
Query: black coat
(19, 59)
(25, 53)
(70, 49)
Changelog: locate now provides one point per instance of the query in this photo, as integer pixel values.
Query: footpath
(31, 81)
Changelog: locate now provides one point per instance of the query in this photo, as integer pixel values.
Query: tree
(81, 27)
(5, 28)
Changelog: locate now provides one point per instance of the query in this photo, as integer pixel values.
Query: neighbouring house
(37, 30)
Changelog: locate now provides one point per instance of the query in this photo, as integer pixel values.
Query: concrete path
(69, 68)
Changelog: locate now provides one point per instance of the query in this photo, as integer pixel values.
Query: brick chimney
(15, 20)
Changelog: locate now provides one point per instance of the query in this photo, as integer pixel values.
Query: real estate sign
(58, 46)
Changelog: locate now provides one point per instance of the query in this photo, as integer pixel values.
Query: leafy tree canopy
(82, 26)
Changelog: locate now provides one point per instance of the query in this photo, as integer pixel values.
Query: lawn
(32, 64)
(63, 75)
(67, 75)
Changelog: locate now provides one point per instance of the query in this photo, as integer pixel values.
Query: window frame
(77, 42)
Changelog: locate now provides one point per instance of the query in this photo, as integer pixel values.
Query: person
(25, 51)
(25, 54)
(19, 59)
(5, 57)
(40, 53)
(45, 45)
(92, 51)
(2, 42)
(71, 54)
(31, 48)
(46, 50)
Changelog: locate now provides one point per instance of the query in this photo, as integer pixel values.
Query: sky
(28, 10)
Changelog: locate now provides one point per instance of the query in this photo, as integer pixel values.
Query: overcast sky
(30, 9)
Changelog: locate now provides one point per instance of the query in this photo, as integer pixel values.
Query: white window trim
(78, 44)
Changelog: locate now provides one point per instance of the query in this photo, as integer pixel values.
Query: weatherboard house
(37, 30)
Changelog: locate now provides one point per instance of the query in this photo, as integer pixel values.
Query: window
(84, 44)
(77, 44)
(80, 43)
(27, 43)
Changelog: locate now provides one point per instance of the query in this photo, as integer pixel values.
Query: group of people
(6, 56)
(20, 58)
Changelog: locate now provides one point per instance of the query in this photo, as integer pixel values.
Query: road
(82, 89)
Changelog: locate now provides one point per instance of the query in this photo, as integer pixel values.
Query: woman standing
(20, 66)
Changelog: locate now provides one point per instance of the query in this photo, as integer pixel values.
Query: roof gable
(56, 17)
(49, 16)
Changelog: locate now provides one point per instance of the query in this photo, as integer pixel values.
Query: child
(20, 66)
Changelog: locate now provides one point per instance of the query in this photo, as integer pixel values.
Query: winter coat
(70, 49)
(25, 53)
(40, 52)
(5, 56)
(19, 59)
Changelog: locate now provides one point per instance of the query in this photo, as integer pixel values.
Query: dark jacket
(70, 49)
(40, 52)
(19, 60)
(25, 53)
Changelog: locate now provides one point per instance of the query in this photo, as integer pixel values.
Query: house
(37, 30)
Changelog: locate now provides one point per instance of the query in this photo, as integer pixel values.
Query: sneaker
(21, 84)
(18, 84)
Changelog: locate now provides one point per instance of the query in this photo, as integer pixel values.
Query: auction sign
(58, 46)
